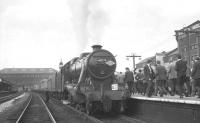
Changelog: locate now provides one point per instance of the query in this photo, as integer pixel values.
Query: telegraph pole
(133, 56)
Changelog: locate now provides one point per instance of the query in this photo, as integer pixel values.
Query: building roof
(146, 59)
(161, 53)
(172, 52)
(189, 26)
(27, 70)
(196, 22)
(2, 80)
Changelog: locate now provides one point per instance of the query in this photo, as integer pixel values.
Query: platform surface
(168, 98)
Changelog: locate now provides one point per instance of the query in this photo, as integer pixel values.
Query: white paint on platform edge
(168, 100)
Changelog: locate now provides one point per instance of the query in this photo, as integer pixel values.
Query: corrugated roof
(5, 81)
(172, 52)
(28, 70)
(146, 59)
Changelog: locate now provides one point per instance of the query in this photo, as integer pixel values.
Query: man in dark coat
(47, 96)
(149, 76)
(139, 78)
(129, 79)
(196, 74)
(172, 76)
(161, 77)
(181, 68)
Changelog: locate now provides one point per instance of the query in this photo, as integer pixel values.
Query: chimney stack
(96, 47)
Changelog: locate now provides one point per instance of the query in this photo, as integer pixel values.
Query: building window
(185, 49)
(194, 46)
(193, 57)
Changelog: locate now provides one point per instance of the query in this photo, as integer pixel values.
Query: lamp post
(61, 79)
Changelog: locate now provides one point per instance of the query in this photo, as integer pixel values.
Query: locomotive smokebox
(96, 47)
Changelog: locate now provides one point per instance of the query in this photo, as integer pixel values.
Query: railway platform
(9, 107)
(167, 109)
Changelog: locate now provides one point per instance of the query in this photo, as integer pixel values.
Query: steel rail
(20, 117)
(130, 119)
(8, 96)
(95, 120)
(48, 111)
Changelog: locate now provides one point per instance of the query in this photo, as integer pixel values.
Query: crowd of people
(155, 79)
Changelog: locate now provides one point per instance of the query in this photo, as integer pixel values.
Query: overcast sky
(39, 33)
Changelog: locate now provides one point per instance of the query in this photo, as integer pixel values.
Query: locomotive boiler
(90, 81)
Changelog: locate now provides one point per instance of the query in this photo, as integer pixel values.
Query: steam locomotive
(90, 82)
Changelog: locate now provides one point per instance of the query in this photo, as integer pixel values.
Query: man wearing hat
(149, 76)
(196, 74)
(161, 77)
(181, 68)
(129, 79)
(172, 76)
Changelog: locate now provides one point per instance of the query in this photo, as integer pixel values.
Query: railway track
(8, 97)
(130, 119)
(78, 112)
(97, 117)
(106, 117)
(116, 118)
(36, 111)
(5, 93)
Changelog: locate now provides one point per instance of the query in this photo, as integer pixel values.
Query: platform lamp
(60, 68)
(60, 65)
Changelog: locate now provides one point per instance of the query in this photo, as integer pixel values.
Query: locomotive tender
(90, 81)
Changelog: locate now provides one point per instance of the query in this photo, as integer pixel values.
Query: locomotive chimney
(96, 47)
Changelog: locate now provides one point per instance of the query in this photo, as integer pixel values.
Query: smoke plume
(89, 21)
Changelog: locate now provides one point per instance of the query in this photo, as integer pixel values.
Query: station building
(156, 57)
(188, 40)
(171, 55)
(163, 57)
(30, 78)
(142, 63)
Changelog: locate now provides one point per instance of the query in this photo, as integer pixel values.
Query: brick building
(142, 63)
(156, 57)
(188, 39)
(163, 57)
(160, 57)
(171, 55)
(29, 78)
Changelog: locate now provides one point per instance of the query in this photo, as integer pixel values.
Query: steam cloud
(89, 21)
